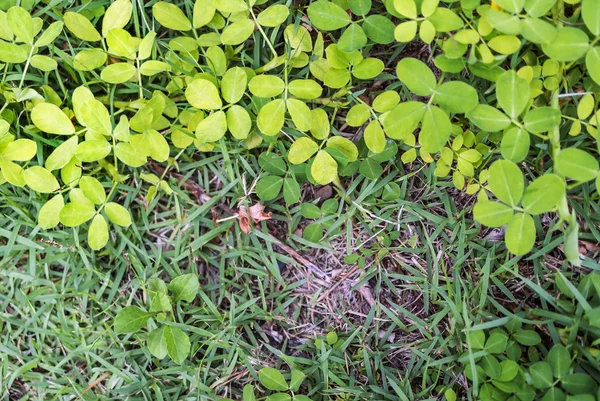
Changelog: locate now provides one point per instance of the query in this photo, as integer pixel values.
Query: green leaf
(12, 53)
(538, 8)
(301, 150)
(269, 187)
(369, 68)
(512, 93)
(543, 194)
(43, 63)
(131, 319)
(271, 378)
(279, 397)
(146, 45)
(151, 67)
(237, 32)
(20, 150)
(510, 369)
(48, 216)
(92, 150)
(406, 8)
(527, 337)
(579, 383)
(358, 115)
(12, 172)
(157, 144)
(353, 38)
(118, 73)
(21, 24)
(75, 214)
(520, 234)
(212, 128)
(184, 287)
(117, 214)
(559, 360)
(371, 169)
(577, 164)
(324, 168)
(81, 27)
(50, 34)
(592, 62)
(40, 180)
(117, 15)
(305, 89)
(417, 76)
(515, 144)
(590, 12)
(178, 344)
(238, 122)
(49, 118)
(541, 375)
(456, 97)
(170, 16)
(88, 60)
(554, 394)
(374, 137)
(203, 94)
(570, 44)
(476, 339)
(345, 146)
(204, 11)
(513, 6)
(96, 117)
(157, 344)
(435, 130)
(403, 119)
(233, 85)
(496, 343)
(445, 20)
(503, 22)
(266, 85)
(300, 113)
(538, 31)
(488, 118)
(506, 181)
(98, 233)
(291, 191)
(296, 380)
(492, 214)
(271, 117)
(386, 101)
(92, 189)
(505, 44)
(327, 16)
(273, 16)
(129, 155)
(542, 119)
(379, 29)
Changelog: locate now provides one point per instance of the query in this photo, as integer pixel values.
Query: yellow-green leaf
(49, 118)
(98, 233)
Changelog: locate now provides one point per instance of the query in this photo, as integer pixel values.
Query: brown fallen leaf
(244, 219)
(257, 212)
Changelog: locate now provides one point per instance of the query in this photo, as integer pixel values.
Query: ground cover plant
(301, 200)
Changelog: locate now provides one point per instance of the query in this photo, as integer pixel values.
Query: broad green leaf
(374, 137)
(503, 22)
(512, 93)
(146, 45)
(417, 76)
(117, 16)
(185, 287)
(496, 343)
(513, 6)
(353, 38)
(492, 214)
(81, 27)
(204, 12)
(488, 118)
(542, 119)
(527, 337)
(435, 130)
(92, 150)
(506, 181)
(237, 32)
(570, 44)
(554, 394)
(577, 164)
(359, 7)
(445, 20)
(406, 8)
(543, 194)
(592, 62)
(515, 144)
(49, 34)
(48, 216)
(320, 127)
(40, 180)
(427, 32)
(178, 344)
(456, 97)
(305, 89)
(559, 360)
(92, 189)
(75, 214)
(403, 119)
(98, 233)
(117, 214)
(159, 298)
(273, 16)
(579, 383)
(238, 122)
(379, 29)
(203, 94)
(271, 117)
(269, 187)
(96, 117)
(170, 16)
(157, 345)
(590, 12)
(157, 145)
(12, 172)
(520, 234)
(538, 8)
(231, 6)
(297, 376)
(212, 128)
(20, 150)
(271, 378)
(129, 155)
(358, 115)
(510, 369)
(505, 44)
(538, 31)
(266, 85)
(120, 43)
(12, 53)
(324, 168)
(291, 191)
(541, 375)
(131, 319)
(327, 16)
(21, 24)
(300, 113)
(88, 60)
(233, 85)
(467, 36)
(153, 67)
(118, 73)
(368, 68)
(343, 145)
(49, 118)
(43, 63)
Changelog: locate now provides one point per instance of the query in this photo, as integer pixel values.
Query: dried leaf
(257, 212)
